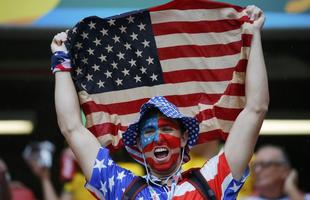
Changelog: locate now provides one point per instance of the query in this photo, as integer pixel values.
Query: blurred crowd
(272, 174)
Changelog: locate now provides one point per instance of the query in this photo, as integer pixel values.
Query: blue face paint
(149, 130)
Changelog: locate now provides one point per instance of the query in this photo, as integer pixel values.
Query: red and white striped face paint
(161, 143)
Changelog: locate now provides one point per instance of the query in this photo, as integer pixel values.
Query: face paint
(161, 142)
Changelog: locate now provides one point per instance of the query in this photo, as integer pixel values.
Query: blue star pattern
(109, 181)
(114, 53)
(234, 186)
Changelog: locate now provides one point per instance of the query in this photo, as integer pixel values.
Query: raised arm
(243, 135)
(84, 145)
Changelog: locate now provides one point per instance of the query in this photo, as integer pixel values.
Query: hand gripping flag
(192, 52)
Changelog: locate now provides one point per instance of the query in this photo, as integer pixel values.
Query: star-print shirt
(109, 181)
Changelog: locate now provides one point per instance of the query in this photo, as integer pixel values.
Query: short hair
(281, 149)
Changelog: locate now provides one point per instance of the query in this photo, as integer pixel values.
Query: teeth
(158, 150)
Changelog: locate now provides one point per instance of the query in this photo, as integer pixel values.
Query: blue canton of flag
(115, 53)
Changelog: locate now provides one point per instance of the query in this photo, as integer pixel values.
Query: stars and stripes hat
(169, 110)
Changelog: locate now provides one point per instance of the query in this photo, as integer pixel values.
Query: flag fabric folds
(192, 52)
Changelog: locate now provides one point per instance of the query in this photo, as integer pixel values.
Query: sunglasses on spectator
(268, 164)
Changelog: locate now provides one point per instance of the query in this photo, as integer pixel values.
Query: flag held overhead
(192, 52)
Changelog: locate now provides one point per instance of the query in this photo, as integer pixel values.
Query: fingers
(60, 38)
(254, 12)
(58, 42)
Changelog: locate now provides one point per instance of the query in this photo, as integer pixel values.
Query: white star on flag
(85, 60)
(97, 42)
(103, 187)
(103, 58)
(111, 22)
(123, 29)
(138, 53)
(100, 84)
(116, 38)
(143, 70)
(99, 164)
(141, 26)
(127, 46)
(235, 187)
(119, 81)
(96, 67)
(137, 78)
(114, 65)
(108, 74)
(92, 25)
(125, 72)
(78, 71)
(146, 43)
(90, 51)
(109, 48)
(132, 62)
(134, 36)
(84, 35)
(89, 77)
(120, 55)
(130, 19)
(79, 45)
(111, 183)
(110, 162)
(104, 32)
(150, 60)
(154, 77)
(120, 175)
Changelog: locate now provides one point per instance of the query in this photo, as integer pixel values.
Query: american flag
(192, 52)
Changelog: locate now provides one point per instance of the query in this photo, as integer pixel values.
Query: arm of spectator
(83, 143)
(243, 135)
(43, 173)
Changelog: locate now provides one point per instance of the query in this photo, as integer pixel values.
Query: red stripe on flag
(178, 100)
(185, 51)
(202, 4)
(211, 135)
(114, 108)
(241, 66)
(106, 128)
(235, 89)
(219, 112)
(247, 40)
(196, 27)
(198, 75)
(226, 113)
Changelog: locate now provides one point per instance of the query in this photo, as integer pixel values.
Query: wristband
(60, 61)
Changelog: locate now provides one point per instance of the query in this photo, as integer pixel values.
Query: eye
(149, 131)
(166, 129)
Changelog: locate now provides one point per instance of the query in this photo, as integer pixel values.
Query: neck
(273, 192)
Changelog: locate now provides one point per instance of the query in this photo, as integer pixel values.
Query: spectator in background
(72, 177)
(12, 190)
(274, 178)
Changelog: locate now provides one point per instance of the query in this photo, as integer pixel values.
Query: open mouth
(161, 152)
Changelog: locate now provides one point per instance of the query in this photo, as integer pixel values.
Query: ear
(184, 138)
